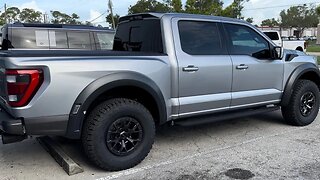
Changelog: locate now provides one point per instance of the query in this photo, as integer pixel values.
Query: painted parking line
(141, 169)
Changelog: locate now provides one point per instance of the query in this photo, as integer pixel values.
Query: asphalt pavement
(258, 147)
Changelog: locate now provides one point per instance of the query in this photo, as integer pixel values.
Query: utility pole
(111, 12)
(5, 13)
(45, 17)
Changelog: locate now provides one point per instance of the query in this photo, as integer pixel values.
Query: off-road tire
(292, 112)
(94, 139)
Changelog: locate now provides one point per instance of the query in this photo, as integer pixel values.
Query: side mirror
(278, 52)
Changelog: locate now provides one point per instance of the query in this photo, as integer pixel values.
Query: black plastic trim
(100, 86)
(289, 57)
(49, 125)
(205, 119)
(10, 125)
(294, 77)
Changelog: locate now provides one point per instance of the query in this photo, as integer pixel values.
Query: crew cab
(287, 43)
(177, 69)
(28, 36)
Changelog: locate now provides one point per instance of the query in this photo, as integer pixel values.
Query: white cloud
(96, 20)
(32, 4)
(260, 10)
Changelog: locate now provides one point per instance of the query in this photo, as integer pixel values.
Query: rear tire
(118, 134)
(303, 106)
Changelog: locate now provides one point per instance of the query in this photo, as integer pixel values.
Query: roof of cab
(63, 26)
(179, 15)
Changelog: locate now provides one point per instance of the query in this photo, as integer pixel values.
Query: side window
(200, 38)
(30, 38)
(245, 41)
(79, 40)
(104, 41)
(139, 35)
(58, 39)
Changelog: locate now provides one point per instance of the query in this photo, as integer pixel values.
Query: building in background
(287, 32)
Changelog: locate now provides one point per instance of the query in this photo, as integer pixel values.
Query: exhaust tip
(8, 139)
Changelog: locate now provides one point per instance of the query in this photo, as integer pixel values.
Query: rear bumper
(51, 125)
(10, 125)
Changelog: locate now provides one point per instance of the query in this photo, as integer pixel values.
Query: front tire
(118, 134)
(303, 106)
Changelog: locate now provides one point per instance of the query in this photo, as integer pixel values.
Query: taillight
(22, 85)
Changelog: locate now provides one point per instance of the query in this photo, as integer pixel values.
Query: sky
(89, 10)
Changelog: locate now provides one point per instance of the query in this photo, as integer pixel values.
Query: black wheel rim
(307, 103)
(123, 136)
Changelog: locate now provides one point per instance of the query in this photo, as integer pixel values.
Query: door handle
(190, 68)
(242, 67)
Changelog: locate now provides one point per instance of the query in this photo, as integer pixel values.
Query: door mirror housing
(278, 52)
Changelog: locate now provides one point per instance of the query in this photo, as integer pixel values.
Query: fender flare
(293, 79)
(108, 82)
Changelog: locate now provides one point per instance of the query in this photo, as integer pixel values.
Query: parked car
(164, 68)
(22, 36)
(313, 38)
(286, 42)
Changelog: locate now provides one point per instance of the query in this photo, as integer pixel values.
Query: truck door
(257, 78)
(205, 68)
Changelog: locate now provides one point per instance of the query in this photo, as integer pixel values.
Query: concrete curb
(314, 53)
(60, 156)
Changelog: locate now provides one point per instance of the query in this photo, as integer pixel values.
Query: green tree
(300, 17)
(74, 19)
(176, 5)
(2, 19)
(249, 20)
(270, 22)
(208, 7)
(62, 18)
(115, 17)
(234, 10)
(13, 14)
(30, 16)
(149, 6)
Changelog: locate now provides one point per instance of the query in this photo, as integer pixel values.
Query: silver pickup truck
(164, 68)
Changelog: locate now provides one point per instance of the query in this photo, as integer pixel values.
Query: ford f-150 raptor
(164, 68)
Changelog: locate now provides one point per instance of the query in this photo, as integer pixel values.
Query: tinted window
(58, 39)
(79, 40)
(245, 41)
(272, 35)
(104, 40)
(200, 38)
(139, 35)
(30, 38)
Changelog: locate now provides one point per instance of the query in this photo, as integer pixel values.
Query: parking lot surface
(258, 147)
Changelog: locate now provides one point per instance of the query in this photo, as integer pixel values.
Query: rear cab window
(79, 40)
(29, 38)
(141, 35)
(46, 38)
(103, 40)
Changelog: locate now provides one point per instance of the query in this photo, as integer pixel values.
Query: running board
(223, 116)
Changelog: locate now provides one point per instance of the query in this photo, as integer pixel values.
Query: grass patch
(313, 47)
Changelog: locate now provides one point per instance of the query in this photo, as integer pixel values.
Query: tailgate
(3, 84)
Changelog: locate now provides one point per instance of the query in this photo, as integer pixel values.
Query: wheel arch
(107, 84)
(305, 71)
